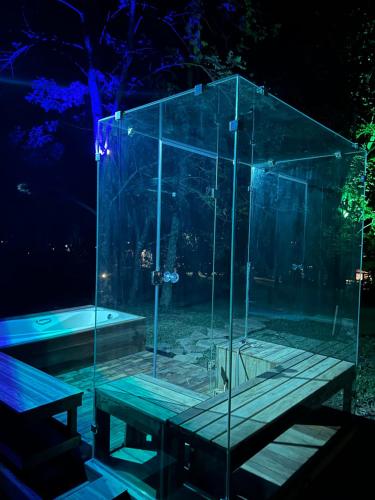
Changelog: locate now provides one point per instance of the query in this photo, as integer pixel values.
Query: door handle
(158, 278)
(171, 277)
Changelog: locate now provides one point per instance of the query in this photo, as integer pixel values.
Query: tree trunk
(92, 82)
(170, 263)
(140, 244)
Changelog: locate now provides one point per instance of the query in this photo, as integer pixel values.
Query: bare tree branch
(107, 19)
(51, 39)
(117, 12)
(70, 6)
(8, 58)
(169, 66)
(175, 32)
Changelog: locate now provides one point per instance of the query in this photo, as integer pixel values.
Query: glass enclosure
(230, 235)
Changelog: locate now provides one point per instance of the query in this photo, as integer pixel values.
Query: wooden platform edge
(12, 487)
(293, 488)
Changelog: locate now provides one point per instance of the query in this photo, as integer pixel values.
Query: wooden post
(72, 420)
(347, 396)
(102, 436)
(135, 439)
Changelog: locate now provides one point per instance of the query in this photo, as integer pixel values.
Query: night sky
(47, 200)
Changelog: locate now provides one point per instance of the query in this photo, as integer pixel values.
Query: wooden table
(29, 398)
(145, 404)
(261, 409)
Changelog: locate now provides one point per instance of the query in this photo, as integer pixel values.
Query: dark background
(308, 54)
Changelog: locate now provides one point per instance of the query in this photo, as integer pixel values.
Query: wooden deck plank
(188, 376)
(236, 392)
(288, 385)
(297, 394)
(266, 395)
(161, 387)
(287, 354)
(309, 435)
(278, 461)
(148, 394)
(210, 422)
(164, 383)
(106, 396)
(272, 354)
(24, 388)
(264, 470)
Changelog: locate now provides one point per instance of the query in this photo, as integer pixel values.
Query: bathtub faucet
(43, 321)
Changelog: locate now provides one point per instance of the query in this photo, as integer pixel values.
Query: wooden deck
(264, 441)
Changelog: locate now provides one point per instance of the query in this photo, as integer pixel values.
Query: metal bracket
(338, 155)
(261, 90)
(97, 156)
(157, 278)
(198, 89)
(355, 145)
(233, 126)
(268, 165)
(118, 115)
(212, 192)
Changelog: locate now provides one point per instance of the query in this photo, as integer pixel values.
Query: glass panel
(176, 308)
(228, 243)
(297, 256)
(283, 133)
(127, 202)
(305, 256)
(192, 121)
(187, 220)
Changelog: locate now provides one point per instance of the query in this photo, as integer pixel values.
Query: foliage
(122, 49)
(367, 133)
(360, 54)
(53, 97)
(355, 205)
(39, 141)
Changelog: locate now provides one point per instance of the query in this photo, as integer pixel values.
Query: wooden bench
(29, 398)
(261, 409)
(145, 404)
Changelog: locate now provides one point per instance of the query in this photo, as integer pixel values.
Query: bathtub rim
(135, 318)
(65, 309)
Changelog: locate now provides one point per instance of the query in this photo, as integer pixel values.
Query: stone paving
(199, 347)
(194, 347)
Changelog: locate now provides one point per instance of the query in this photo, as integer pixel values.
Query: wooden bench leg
(174, 447)
(208, 472)
(102, 436)
(72, 420)
(347, 397)
(135, 439)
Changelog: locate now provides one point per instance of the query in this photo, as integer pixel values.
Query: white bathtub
(50, 325)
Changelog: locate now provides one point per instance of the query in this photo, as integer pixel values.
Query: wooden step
(12, 487)
(102, 488)
(282, 458)
(28, 446)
